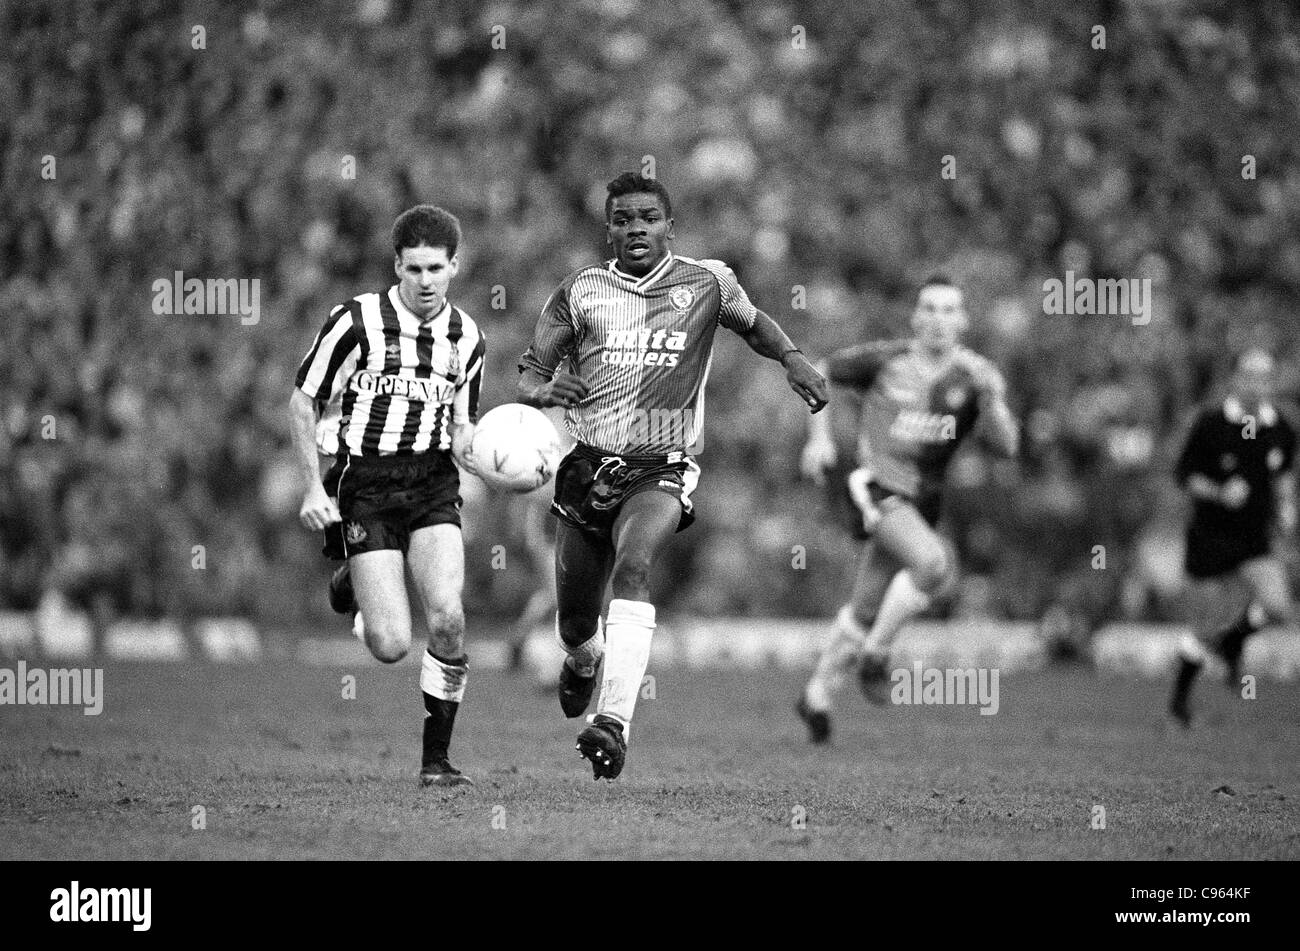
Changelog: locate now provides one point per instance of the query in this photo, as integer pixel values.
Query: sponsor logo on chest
(369, 383)
(912, 425)
(651, 348)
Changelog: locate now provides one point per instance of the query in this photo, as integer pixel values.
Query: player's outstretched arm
(562, 389)
(1001, 432)
(767, 339)
(317, 510)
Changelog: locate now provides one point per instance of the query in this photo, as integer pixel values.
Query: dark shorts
(1212, 552)
(848, 511)
(591, 486)
(384, 499)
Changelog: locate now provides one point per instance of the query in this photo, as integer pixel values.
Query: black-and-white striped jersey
(403, 381)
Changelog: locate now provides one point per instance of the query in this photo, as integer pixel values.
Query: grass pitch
(280, 765)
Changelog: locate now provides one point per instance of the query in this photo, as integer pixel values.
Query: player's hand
(818, 455)
(806, 381)
(990, 383)
(1234, 493)
(318, 510)
(462, 447)
(565, 389)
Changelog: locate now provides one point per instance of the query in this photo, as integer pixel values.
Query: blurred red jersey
(914, 414)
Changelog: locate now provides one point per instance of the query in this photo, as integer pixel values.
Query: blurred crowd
(832, 153)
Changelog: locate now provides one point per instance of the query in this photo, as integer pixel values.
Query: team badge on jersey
(355, 533)
(392, 349)
(681, 297)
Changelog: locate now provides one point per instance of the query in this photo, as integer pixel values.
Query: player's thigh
(1267, 580)
(582, 564)
(379, 579)
(436, 560)
(644, 524)
(907, 537)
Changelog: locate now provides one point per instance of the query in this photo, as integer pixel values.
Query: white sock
(903, 601)
(845, 646)
(585, 658)
(444, 681)
(629, 625)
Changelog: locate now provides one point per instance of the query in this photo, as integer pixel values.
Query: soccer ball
(516, 448)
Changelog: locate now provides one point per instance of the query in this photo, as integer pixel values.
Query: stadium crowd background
(813, 166)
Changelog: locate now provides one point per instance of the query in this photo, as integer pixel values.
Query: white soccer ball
(516, 448)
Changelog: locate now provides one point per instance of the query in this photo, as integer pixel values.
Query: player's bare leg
(379, 580)
(847, 636)
(645, 523)
(927, 570)
(436, 560)
(582, 566)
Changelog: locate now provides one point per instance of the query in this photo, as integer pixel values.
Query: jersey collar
(644, 281)
(1234, 412)
(395, 298)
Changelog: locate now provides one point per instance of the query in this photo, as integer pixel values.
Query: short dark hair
(631, 183)
(937, 279)
(426, 224)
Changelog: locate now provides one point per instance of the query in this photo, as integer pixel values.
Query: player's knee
(388, 643)
(1279, 610)
(933, 572)
(631, 578)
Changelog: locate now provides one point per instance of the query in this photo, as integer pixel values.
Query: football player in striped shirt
(1236, 467)
(625, 346)
(408, 365)
(919, 399)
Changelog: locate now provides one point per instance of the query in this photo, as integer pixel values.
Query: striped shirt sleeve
(335, 349)
(554, 338)
(464, 408)
(736, 311)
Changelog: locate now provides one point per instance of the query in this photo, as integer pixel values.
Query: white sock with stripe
(629, 626)
(844, 647)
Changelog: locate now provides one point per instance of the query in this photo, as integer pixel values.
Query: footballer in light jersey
(626, 346)
(919, 399)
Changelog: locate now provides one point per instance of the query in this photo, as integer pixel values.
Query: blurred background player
(919, 399)
(408, 365)
(1236, 467)
(635, 337)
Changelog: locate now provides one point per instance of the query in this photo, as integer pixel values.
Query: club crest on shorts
(355, 533)
(681, 297)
